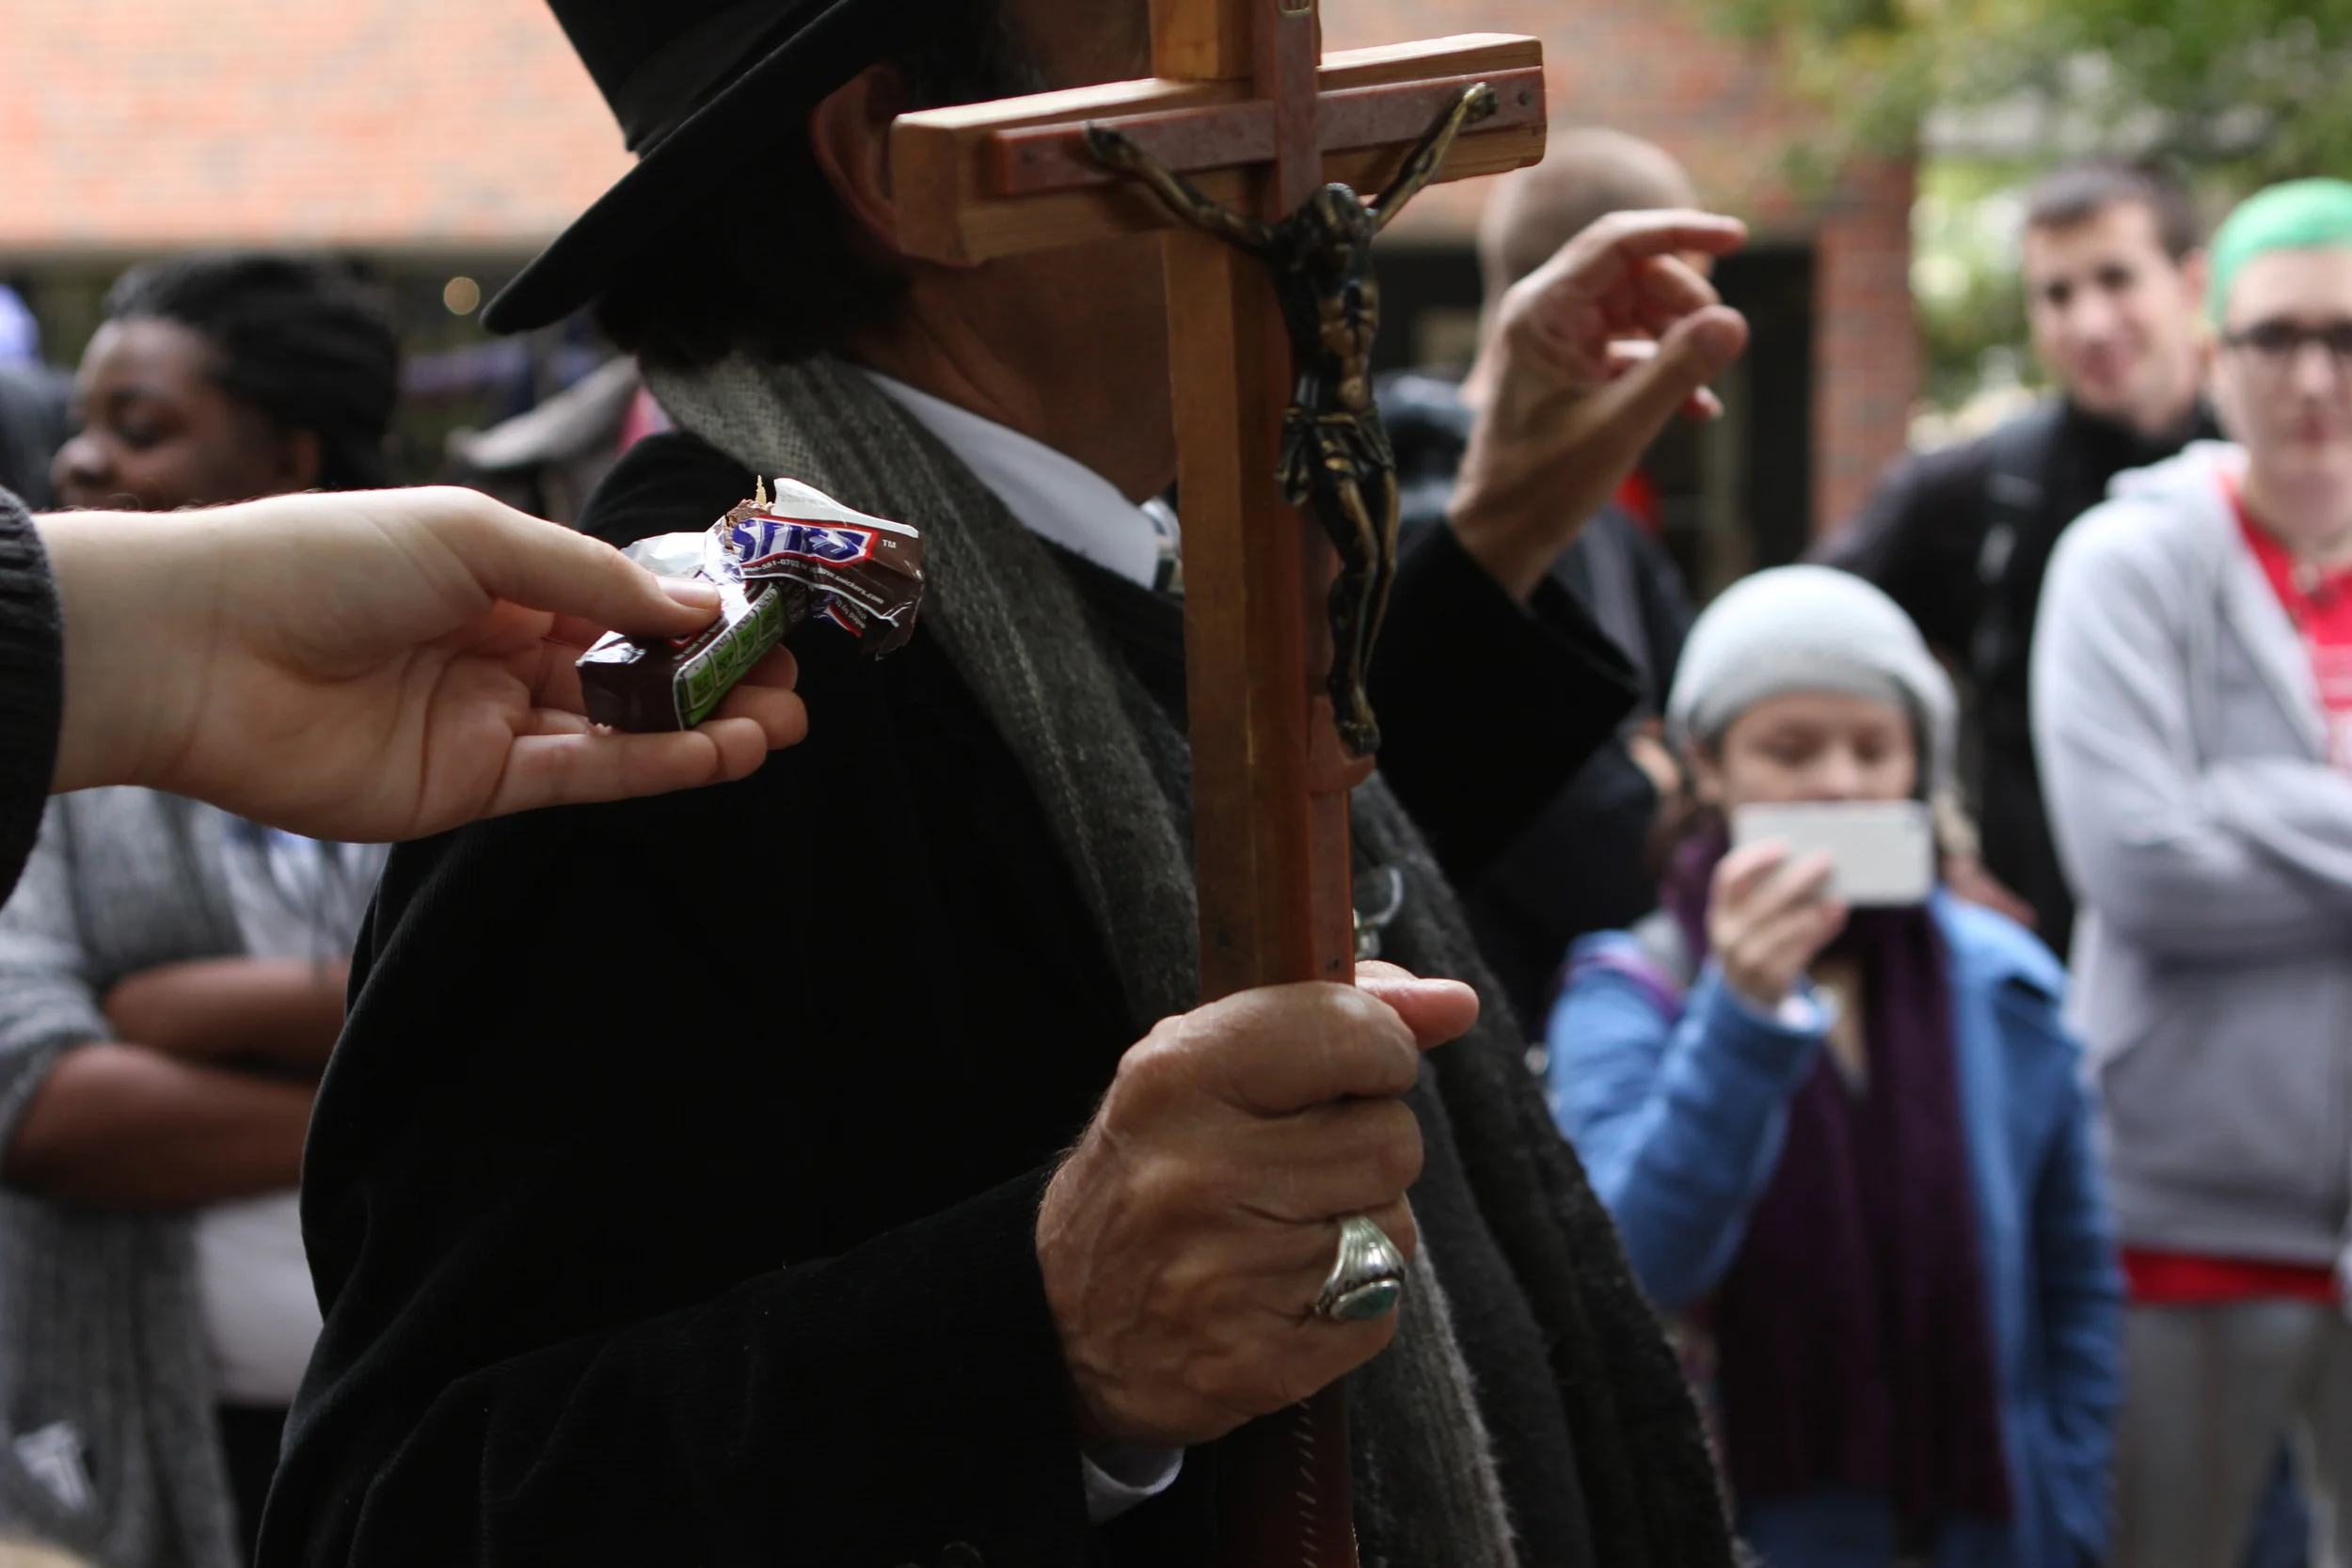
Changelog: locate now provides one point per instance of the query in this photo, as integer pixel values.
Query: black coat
(36, 419)
(1583, 864)
(671, 1193)
(32, 686)
(1921, 537)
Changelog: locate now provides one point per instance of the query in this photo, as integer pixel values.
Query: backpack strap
(2019, 458)
(1658, 935)
(1653, 955)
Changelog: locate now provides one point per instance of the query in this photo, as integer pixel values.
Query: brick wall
(1867, 360)
(466, 125)
(1652, 67)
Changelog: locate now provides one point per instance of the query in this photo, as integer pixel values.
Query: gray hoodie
(2181, 739)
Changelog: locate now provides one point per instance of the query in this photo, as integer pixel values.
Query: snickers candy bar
(778, 562)
(660, 685)
(865, 574)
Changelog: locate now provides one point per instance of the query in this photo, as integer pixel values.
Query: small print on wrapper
(778, 562)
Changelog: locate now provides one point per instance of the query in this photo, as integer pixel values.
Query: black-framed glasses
(2276, 345)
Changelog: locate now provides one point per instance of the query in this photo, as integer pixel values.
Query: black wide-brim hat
(700, 89)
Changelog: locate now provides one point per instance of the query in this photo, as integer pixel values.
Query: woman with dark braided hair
(222, 377)
(171, 982)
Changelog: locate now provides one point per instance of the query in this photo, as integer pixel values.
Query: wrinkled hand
(1186, 1236)
(1590, 357)
(1769, 919)
(371, 666)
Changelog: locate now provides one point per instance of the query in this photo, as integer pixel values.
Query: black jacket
(32, 686)
(670, 1192)
(34, 420)
(1921, 536)
(1581, 864)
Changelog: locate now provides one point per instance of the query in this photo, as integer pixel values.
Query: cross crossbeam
(989, 180)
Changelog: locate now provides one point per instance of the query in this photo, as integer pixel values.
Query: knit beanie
(1809, 628)
(2300, 214)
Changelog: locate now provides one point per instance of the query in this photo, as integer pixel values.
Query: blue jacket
(1678, 1106)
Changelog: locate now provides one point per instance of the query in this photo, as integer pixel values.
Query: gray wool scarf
(1109, 770)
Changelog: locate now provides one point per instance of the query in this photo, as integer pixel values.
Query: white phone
(1883, 851)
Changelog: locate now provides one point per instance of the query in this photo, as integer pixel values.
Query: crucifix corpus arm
(1116, 149)
(1336, 460)
(1479, 103)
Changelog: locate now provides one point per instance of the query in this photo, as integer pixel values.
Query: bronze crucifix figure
(1336, 456)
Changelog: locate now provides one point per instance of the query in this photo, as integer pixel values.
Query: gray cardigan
(109, 1447)
(2183, 746)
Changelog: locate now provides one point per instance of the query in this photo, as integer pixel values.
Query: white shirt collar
(1054, 496)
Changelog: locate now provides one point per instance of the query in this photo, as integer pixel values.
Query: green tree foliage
(2233, 93)
(2252, 90)
(1964, 231)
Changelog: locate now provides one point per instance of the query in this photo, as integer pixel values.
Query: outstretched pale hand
(1589, 356)
(371, 666)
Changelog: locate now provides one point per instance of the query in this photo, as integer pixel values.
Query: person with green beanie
(2192, 696)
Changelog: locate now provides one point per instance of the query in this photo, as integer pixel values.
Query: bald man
(1582, 865)
(1586, 175)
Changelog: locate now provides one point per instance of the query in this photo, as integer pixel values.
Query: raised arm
(1477, 103)
(1117, 151)
(1679, 1120)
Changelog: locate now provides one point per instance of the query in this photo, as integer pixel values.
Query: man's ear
(2196, 273)
(849, 131)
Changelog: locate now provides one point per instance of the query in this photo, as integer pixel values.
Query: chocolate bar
(864, 570)
(778, 562)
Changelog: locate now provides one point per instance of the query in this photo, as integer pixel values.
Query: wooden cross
(1247, 107)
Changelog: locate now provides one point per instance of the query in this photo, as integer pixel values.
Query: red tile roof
(140, 124)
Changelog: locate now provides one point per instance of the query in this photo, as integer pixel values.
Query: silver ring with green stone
(1368, 1277)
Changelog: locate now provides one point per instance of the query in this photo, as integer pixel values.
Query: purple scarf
(1854, 1341)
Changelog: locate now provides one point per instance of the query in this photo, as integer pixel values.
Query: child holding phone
(1850, 1142)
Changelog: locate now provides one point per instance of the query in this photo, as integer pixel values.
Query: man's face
(1089, 323)
(2115, 318)
(2282, 380)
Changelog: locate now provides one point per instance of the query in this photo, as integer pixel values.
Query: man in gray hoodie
(2192, 699)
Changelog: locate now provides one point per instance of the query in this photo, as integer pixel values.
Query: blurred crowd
(1900, 1162)
(2001, 1211)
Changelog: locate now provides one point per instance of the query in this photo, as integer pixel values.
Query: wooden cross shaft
(1249, 108)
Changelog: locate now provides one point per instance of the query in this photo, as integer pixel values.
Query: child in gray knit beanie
(1809, 628)
(1856, 1137)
